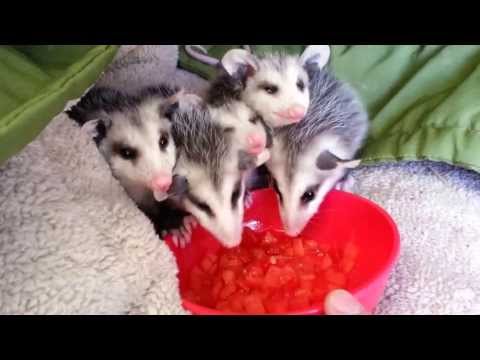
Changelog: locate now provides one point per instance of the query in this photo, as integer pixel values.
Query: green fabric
(36, 82)
(423, 101)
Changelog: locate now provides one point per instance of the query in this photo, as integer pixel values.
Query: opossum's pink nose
(256, 143)
(161, 183)
(296, 112)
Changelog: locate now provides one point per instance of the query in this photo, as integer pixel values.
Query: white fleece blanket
(72, 242)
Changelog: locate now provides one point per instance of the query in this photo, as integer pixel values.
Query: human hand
(341, 302)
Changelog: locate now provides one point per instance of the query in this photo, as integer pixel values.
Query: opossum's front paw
(346, 184)
(183, 236)
(248, 201)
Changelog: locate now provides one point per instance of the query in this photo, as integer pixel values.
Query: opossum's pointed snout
(292, 227)
(297, 112)
(292, 232)
(229, 239)
(161, 183)
(256, 143)
(294, 114)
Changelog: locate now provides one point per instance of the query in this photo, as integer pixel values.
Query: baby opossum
(209, 181)
(309, 158)
(276, 86)
(133, 133)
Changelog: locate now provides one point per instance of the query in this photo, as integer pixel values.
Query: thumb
(341, 302)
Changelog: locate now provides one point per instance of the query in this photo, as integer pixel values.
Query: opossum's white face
(301, 190)
(277, 87)
(279, 93)
(247, 129)
(217, 207)
(140, 151)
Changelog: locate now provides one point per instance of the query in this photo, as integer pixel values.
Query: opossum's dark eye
(269, 88)
(163, 141)
(126, 152)
(201, 205)
(300, 85)
(254, 119)
(205, 208)
(309, 195)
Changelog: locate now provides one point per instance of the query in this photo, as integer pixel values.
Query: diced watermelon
(311, 244)
(346, 265)
(269, 274)
(273, 250)
(227, 291)
(335, 277)
(273, 277)
(236, 302)
(276, 304)
(217, 287)
(299, 301)
(223, 306)
(228, 276)
(269, 238)
(254, 276)
(298, 248)
(258, 253)
(253, 305)
(326, 262)
(289, 252)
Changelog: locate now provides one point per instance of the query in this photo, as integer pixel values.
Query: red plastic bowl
(341, 217)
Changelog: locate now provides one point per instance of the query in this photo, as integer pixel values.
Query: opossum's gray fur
(201, 141)
(102, 100)
(334, 108)
(226, 88)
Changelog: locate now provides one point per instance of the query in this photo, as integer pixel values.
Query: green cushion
(37, 82)
(424, 101)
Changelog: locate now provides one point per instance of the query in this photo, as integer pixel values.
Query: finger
(341, 302)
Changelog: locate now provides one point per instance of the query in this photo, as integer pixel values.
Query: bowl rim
(384, 271)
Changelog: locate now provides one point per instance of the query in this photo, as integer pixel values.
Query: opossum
(276, 86)
(309, 158)
(133, 133)
(210, 174)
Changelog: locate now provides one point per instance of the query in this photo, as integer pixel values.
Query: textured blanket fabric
(72, 242)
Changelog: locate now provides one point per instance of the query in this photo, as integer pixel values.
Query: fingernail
(343, 303)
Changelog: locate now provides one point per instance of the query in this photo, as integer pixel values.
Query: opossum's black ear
(327, 161)
(179, 185)
(96, 129)
(316, 55)
(246, 161)
(238, 61)
(169, 109)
